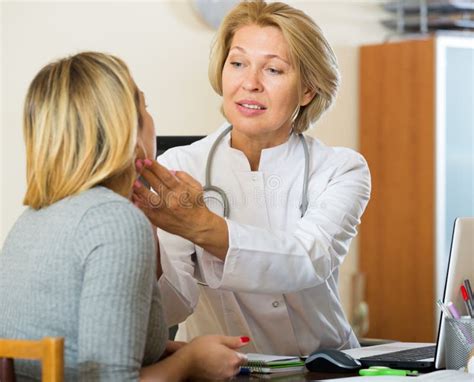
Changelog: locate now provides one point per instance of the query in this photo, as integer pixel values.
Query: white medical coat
(278, 283)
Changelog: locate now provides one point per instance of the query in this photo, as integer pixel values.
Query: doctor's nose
(251, 81)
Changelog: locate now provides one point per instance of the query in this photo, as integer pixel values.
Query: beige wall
(166, 46)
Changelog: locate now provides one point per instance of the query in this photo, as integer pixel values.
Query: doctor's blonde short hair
(80, 125)
(310, 52)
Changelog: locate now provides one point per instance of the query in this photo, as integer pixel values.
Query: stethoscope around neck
(224, 201)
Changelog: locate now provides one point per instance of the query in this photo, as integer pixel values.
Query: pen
(453, 310)
(444, 309)
(467, 284)
(383, 370)
(467, 301)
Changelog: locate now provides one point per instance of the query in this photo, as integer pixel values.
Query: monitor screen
(165, 142)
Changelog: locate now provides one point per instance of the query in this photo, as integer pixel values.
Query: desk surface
(293, 377)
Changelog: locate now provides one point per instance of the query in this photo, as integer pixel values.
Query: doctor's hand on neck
(175, 204)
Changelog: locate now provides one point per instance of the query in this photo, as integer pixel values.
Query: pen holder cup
(459, 342)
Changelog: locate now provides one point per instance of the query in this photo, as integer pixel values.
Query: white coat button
(275, 304)
(254, 178)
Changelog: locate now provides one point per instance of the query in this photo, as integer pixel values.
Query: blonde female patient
(80, 262)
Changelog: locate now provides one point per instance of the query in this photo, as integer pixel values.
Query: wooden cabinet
(416, 132)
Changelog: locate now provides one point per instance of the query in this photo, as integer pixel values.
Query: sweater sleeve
(117, 252)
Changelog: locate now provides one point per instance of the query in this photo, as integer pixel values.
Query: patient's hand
(206, 357)
(214, 357)
(172, 346)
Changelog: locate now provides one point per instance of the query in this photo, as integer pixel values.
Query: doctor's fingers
(188, 180)
(142, 199)
(177, 203)
(152, 170)
(145, 199)
(160, 191)
(147, 207)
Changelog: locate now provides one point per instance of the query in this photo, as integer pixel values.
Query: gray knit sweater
(84, 269)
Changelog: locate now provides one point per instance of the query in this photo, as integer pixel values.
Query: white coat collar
(270, 156)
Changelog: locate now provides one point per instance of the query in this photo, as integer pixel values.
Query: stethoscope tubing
(208, 187)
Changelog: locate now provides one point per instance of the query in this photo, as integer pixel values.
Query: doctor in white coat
(257, 250)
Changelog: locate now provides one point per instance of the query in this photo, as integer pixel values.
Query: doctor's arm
(273, 261)
(281, 261)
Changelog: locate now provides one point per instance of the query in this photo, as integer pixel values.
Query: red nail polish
(137, 184)
(147, 162)
(244, 339)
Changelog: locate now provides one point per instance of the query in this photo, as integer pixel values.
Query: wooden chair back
(49, 351)
(7, 371)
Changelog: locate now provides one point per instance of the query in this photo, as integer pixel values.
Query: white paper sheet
(436, 376)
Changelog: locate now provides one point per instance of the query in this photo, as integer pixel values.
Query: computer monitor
(460, 267)
(165, 142)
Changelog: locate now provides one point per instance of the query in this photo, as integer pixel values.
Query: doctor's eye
(274, 71)
(236, 64)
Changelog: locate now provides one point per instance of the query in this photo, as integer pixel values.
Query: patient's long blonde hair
(80, 128)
